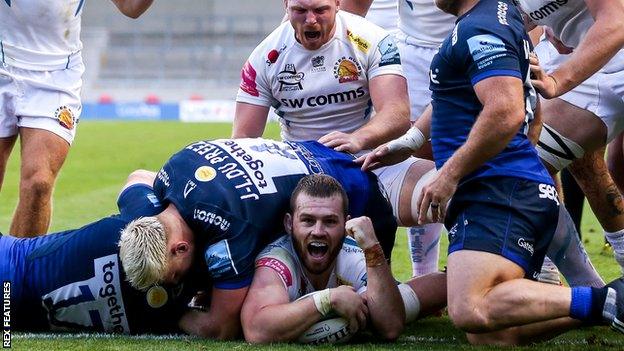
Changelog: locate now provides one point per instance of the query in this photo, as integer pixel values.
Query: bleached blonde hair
(143, 252)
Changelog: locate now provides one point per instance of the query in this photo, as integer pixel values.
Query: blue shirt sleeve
(138, 200)
(489, 52)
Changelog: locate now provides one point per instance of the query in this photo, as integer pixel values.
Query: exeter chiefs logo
(347, 70)
(65, 117)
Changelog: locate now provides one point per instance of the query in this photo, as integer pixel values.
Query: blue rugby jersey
(73, 280)
(487, 41)
(233, 193)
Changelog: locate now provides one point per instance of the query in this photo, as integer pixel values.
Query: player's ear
(182, 247)
(288, 223)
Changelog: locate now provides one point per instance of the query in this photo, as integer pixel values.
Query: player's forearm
(490, 134)
(359, 7)
(132, 8)
(204, 325)
(423, 123)
(603, 40)
(384, 302)
(284, 322)
(389, 123)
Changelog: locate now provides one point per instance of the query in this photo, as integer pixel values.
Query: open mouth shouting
(317, 250)
(312, 34)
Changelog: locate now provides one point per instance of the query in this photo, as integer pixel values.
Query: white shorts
(601, 94)
(416, 61)
(48, 100)
(392, 177)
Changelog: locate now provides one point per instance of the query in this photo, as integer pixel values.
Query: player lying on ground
(73, 280)
(233, 194)
(316, 257)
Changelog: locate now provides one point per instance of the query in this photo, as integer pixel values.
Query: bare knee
(471, 317)
(38, 185)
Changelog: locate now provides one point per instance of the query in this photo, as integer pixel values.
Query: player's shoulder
(280, 257)
(360, 33)
(500, 18)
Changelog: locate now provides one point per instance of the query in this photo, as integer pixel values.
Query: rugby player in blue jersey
(74, 281)
(503, 210)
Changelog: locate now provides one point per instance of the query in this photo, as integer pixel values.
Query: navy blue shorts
(512, 217)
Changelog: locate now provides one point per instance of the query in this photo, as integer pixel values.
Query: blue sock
(587, 304)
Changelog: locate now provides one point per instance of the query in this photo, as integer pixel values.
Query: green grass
(104, 153)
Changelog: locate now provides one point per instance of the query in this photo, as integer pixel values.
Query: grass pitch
(104, 153)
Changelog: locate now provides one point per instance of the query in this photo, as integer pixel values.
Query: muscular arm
(132, 8)
(602, 41)
(222, 320)
(392, 119)
(267, 314)
(502, 115)
(359, 7)
(249, 120)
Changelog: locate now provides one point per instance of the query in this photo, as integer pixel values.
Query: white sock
(616, 239)
(424, 248)
(567, 252)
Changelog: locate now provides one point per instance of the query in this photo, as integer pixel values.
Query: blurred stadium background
(179, 60)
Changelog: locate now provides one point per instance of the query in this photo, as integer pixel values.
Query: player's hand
(351, 306)
(361, 229)
(544, 83)
(434, 198)
(343, 142)
(382, 156)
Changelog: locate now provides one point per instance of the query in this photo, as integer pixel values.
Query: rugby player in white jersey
(585, 89)
(316, 257)
(40, 81)
(324, 72)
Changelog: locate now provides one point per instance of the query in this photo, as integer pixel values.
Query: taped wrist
(412, 140)
(374, 256)
(322, 301)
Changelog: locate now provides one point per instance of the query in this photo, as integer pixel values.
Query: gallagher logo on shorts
(347, 70)
(289, 79)
(65, 117)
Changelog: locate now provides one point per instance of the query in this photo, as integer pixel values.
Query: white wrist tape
(322, 301)
(412, 140)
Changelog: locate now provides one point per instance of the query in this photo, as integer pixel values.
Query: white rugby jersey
(40, 34)
(350, 267)
(569, 19)
(424, 22)
(316, 92)
(384, 13)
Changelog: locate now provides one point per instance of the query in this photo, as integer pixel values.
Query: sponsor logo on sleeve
(280, 267)
(163, 176)
(485, 48)
(389, 52)
(219, 260)
(248, 80)
(360, 42)
(289, 79)
(347, 70)
(65, 117)
(502, 13)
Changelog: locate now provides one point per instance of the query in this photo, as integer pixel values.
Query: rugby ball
(332, 330)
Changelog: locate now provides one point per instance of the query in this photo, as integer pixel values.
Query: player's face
(313, 20)
(448, 6)
(318, 229)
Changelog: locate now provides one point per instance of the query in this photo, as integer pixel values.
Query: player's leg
(429, 293)
(49, 109)
(6, 146)
(526, 334)
(615, 161)
(43, 154)
(403, 183)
